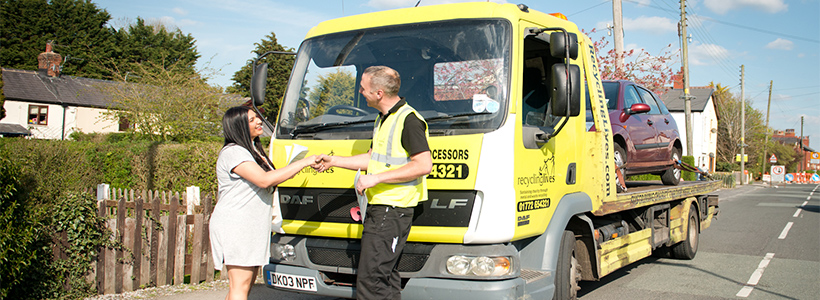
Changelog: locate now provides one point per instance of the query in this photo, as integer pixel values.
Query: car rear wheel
(672, 175)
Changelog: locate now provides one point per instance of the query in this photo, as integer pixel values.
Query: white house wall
(82, 119)
(704, 140)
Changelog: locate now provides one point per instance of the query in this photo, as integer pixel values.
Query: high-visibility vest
(388, 154)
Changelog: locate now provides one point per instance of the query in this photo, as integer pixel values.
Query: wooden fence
(162, 238)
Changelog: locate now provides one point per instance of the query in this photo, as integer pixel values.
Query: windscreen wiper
(324, 126)
(455, 116)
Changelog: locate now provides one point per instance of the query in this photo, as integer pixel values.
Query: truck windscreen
(455, 73)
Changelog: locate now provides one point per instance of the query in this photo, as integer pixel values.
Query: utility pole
(768, 108)
(742, 126)
(618, 33)
(687, 103)
(802, 153)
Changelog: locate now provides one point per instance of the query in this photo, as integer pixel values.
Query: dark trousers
(384, 235)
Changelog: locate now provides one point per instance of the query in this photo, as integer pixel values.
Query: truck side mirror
(258, 81)
(562, 105)
(558, 45)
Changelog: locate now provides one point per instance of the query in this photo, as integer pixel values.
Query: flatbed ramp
(644, 193)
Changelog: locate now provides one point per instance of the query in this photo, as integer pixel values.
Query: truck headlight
(283, 252)
(478, 266)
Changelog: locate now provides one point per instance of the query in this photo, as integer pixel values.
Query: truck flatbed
(644, 193)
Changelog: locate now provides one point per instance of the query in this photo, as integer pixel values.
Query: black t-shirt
(413, 138)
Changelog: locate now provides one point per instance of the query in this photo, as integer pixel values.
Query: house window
(38, 115)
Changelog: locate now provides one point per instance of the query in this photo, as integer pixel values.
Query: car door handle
(649, 122)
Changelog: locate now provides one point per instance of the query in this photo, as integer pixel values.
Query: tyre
(567, 272)
(689, 246)
(672, 175)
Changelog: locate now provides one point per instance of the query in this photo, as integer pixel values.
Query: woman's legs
(240, 280)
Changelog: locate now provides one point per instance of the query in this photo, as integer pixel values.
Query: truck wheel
(672, 175)
(567, 275)
(689, 247)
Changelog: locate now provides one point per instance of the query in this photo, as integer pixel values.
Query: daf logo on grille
(296, 199)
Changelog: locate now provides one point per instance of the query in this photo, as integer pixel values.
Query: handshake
(323, 162)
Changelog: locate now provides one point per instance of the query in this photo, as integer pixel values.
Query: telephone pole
(618, 33)
(687, 103)
(768, 108)
(802, 153)
(742, 126)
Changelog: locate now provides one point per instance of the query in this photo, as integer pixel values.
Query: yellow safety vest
(388, 154)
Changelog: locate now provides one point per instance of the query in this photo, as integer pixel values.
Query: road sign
(815, 158)
(745, 157)
(789, 177)
(777, 173)
(773, 159)
(815, 177)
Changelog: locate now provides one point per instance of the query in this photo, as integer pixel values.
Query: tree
(167, 103)
(79, 31)
(728, 108)
(337, 88)
(650, 71)
(77, 28)
(138, 43)
(279, 68)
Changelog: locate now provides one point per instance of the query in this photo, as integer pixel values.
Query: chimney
(677, 80)
(790, 133)
(48, 63)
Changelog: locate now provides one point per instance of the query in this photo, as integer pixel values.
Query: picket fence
(162, 238)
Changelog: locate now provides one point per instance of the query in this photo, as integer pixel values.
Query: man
(397, 165)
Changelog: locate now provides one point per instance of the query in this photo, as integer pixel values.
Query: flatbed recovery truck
(522, 198)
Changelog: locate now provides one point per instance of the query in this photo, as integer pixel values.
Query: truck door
(540, 168)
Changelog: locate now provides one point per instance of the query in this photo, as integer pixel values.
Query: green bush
(25, 252)
(46, 195)
(686, 175)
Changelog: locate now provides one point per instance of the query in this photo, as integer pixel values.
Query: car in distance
(645, 134)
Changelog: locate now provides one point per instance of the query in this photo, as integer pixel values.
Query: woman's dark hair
(235, 128)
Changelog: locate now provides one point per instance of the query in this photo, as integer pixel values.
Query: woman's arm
(256, 175)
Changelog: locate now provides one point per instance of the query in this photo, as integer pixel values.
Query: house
(49, 105)
(704, 122)
(810, 157)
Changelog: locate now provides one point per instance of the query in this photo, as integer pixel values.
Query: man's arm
(356, 162)
(420, 165)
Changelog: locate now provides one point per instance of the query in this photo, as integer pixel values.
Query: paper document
(295, 152)
(362, 198)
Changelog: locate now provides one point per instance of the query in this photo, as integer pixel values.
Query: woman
(240, 227)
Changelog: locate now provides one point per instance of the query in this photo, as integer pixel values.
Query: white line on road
(785, 231)
(750, 285)
(799, 210)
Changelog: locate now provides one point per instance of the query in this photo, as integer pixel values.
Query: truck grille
(347, 255)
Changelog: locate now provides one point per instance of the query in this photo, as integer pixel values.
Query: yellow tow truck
(522, 197)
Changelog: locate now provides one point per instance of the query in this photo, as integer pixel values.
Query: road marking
(755, 278)
(785, 231)
(799, 210)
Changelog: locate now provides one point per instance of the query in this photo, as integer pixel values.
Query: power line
(735, 25)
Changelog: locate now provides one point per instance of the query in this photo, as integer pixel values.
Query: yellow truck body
(534, 189)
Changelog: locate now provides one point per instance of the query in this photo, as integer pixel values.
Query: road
(765, 244)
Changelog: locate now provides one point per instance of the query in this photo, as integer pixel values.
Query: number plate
(293, 282)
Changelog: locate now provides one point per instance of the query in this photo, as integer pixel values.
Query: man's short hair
(384, 78)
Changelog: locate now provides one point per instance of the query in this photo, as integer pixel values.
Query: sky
(776, 41)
